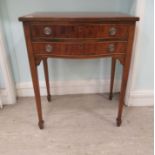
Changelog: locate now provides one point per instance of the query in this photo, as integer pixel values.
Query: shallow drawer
(105, 31)
(75, 48)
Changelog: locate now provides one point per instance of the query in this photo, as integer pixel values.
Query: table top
(98, 16)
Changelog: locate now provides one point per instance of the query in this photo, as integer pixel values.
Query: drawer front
(73, 49)
(105, 31)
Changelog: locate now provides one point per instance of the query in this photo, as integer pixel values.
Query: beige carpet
(75, 125)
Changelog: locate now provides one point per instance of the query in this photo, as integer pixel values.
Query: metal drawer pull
(47, 31)
(112, 31)
(48, 48)
(111, 48)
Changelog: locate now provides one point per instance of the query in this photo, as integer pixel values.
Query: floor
(75, 125)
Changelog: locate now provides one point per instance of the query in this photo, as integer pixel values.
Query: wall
(70, 70)
(145, 71)
(1, 79)
(7, 40)
(61, 69)
(144, 52)
(127, 5)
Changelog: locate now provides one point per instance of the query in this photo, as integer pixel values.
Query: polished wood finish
(79, 36)
(75, 48)
(78, 16)
(47, 79)
(113, 66)
(34, 73)
(126, 67)
(77, 30)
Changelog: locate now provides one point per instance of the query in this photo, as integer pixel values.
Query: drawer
(76, 48)
(105, 31)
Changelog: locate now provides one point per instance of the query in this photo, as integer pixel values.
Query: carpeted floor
(75, 125)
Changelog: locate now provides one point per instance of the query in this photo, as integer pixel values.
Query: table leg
(122, 93)
(35, 80)
(34, 73)
(47, 79)
(113, 66)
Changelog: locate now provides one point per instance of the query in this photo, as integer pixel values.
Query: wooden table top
(98, 16)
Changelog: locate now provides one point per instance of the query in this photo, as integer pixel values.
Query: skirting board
(3, 97)
(135, 98)
(141, 98)
(68, 87)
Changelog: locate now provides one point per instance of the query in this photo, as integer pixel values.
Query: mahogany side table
(79, 35)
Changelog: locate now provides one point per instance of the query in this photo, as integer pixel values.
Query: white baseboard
(136, 98)
(141, 98)
(67, 87)
(3, 97)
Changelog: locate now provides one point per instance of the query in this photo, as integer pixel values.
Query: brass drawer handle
(48, 48)
(112, 31)
(47, 31)
(111, 48)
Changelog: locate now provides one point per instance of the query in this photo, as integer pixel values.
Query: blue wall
(145, 67)
(1, 79)
(71, 69)
(59, 69)
(144, 78)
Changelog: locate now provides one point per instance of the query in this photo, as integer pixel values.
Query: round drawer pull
(47, 31)
(112, 31)
(48, 48)
(111, 48)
